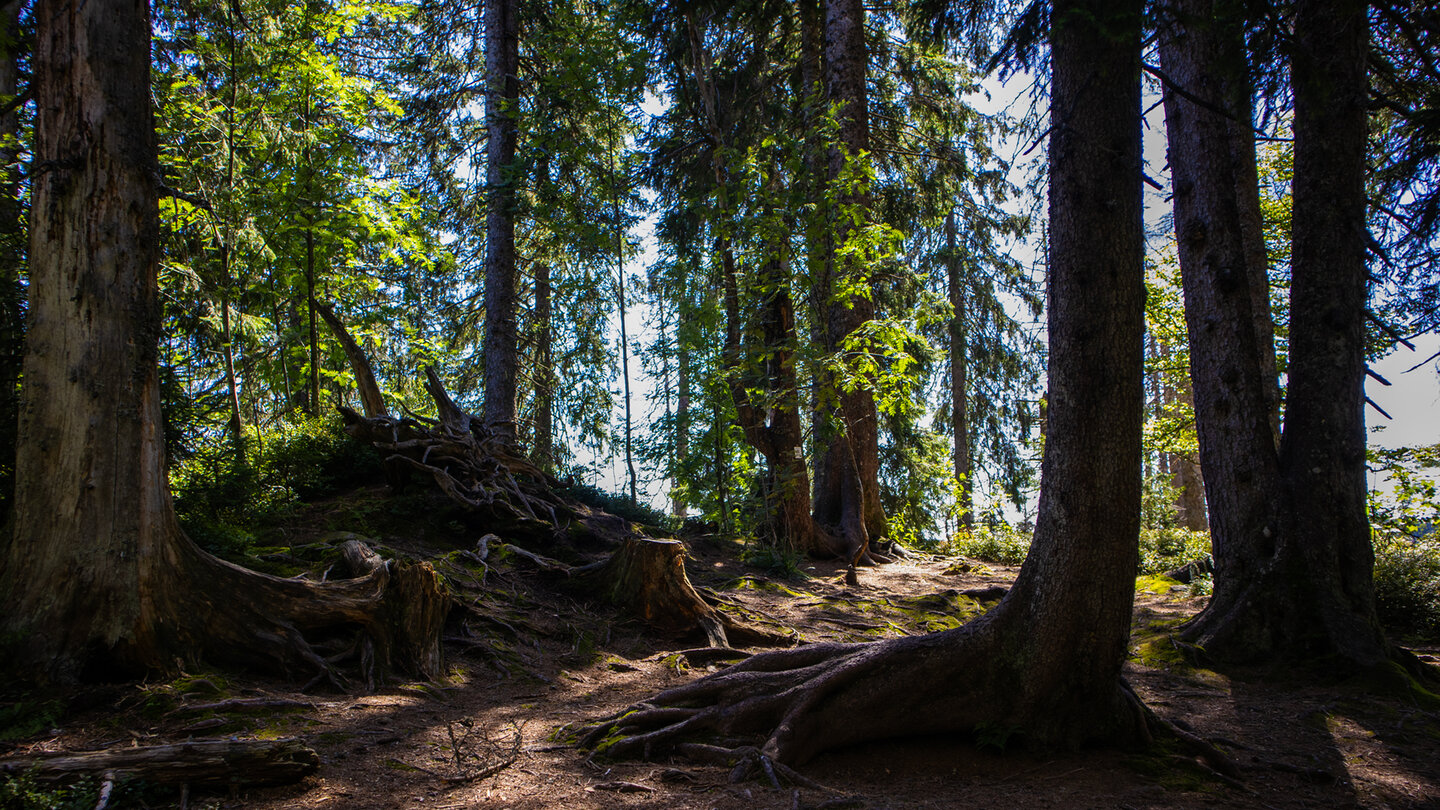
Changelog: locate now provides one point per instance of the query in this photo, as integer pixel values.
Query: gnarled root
(257, 620)
(813, 698)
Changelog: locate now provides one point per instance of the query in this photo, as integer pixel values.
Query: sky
(1412, 400)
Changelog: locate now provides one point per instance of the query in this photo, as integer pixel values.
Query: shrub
(1167, 549)
(1404, 520)
(619, 505)
(1407, 582)
(226, 495)
(992, 542)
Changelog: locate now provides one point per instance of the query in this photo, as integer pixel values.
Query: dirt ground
(532, 657)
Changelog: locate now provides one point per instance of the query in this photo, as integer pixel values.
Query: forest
(717, 403)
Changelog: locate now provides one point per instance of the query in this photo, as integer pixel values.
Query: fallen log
(216, 763)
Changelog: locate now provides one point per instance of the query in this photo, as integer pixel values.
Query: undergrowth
(228, 497)
(1161, 550)
(620, 506)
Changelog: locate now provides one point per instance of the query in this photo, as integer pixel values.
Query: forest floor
(533, 656)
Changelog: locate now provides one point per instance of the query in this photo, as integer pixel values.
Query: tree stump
(647, 576)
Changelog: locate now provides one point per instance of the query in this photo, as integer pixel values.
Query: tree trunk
(502, 92)
(959, 366)
(1322, 453)
(370, 396)
(544, 450)
(12, 254)
(648, 576)
(847, 493)
(678, 506)
(1045, 663)
(227, 252)
(98, 581)
(773, 428)
(1292, 542)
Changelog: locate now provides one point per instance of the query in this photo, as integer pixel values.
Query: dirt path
(560, 661)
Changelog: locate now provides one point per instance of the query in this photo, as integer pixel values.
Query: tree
(847, 488)
(12, 251)
(98, 580)
(1292, 548)
(502, 58)
(1044, 663)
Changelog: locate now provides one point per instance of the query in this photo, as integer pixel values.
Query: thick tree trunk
(1322, 453)
(1292, 542)
(959, 368)
(502, 91)
(847, 493)
(98, 581)
(1045, 663)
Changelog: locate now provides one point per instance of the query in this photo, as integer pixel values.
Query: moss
(1165, 767)
(749, 583)
(1157, 584)
(1392, 679)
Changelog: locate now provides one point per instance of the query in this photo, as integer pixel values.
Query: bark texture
(12, 253)
(502, 92)
(959, 368)
(1045, 663)
(1292, 541)
(216, 763)
(1203, 55)
(847, 488)
(98, 581)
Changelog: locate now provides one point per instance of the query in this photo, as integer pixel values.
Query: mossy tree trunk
(98, 581)
(1045, 663)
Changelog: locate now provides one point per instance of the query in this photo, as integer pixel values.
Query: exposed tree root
(808, 699)
(254, 619)
(477, 469)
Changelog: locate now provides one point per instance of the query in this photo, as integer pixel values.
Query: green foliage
(1406, 524)
(1407, 583)
(619, 505)
(996, 542)
(24, 792)
(1405, 521)
(780, 562)
(1166, 549)
(226, 497)
(26, 717)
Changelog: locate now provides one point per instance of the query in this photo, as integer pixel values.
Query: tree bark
(773, 428)
(502, 92)
(98, 581)
(959, 367)
(370, 396)
(214, 763)
(544, 450)
(847, 492)
(1292, 542)
(1044, 663)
